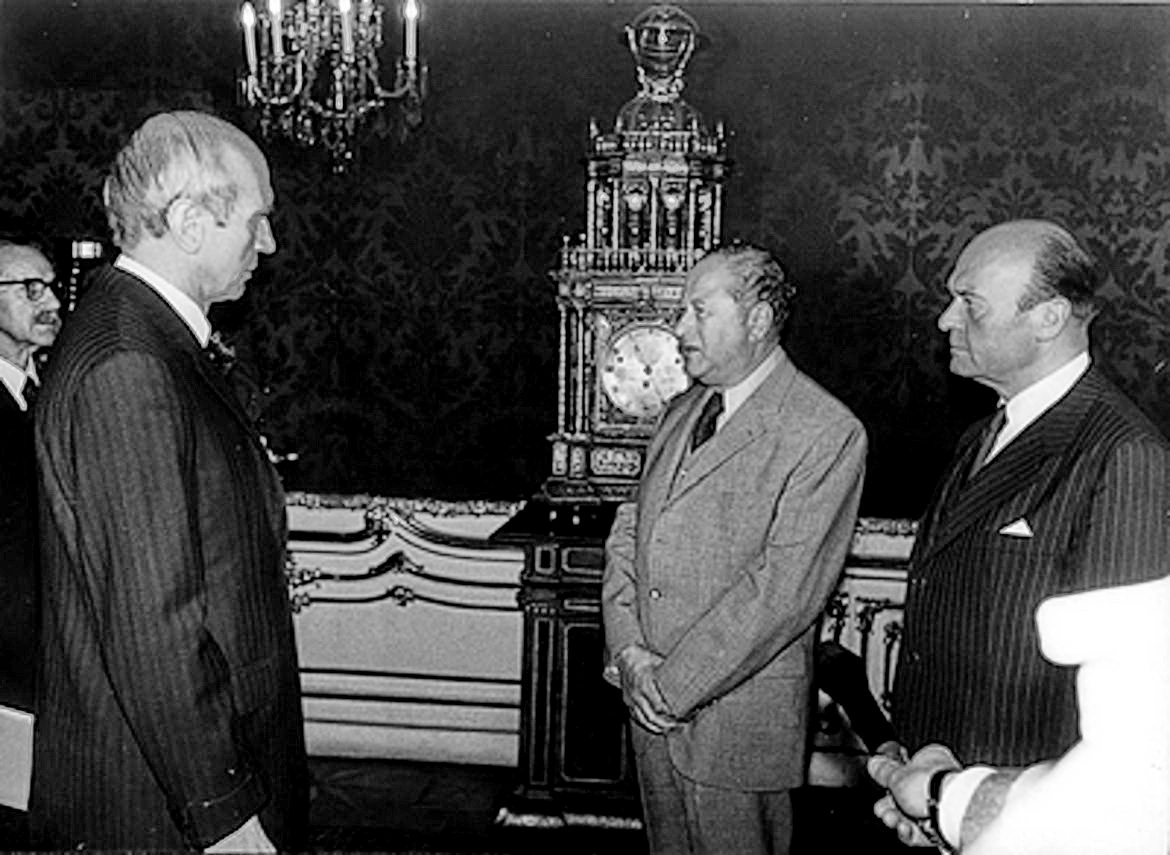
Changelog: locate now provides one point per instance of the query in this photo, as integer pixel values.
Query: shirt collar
(12, 375)
(734, 396)
(1026, 406)
(183, 306)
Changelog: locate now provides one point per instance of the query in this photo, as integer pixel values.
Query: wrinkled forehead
(711, 275)
(24, 262)
(993, 254)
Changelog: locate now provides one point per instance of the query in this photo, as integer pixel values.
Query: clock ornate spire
(654, 198)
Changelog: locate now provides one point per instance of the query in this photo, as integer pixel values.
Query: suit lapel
(666, 452)
(1026, 463)
(177, 337)
(274, 493)
(756, 416)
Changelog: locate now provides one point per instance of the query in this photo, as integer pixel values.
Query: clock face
(642, 370)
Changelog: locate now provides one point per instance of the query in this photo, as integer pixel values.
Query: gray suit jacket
(723, 566)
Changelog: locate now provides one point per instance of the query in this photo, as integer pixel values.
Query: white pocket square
(1019, 528)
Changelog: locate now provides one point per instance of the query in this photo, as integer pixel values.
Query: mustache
(47, 319)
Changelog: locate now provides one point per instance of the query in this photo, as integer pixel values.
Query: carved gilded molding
(409, 507)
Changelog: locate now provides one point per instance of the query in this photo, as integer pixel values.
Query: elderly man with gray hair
(169, 708)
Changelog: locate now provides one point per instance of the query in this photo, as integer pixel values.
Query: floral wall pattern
(405, 330)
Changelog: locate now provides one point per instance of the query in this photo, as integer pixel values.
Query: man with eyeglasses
(29, 320)
(169, 712)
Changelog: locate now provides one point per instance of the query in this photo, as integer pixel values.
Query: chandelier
(312, 70)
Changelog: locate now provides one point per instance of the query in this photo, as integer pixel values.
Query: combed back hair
(760, 276)
(1063, 269)
(174, 156)
(12, 249)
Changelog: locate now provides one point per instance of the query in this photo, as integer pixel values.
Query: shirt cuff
(956, 795)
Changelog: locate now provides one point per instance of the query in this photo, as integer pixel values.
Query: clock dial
(642, 370)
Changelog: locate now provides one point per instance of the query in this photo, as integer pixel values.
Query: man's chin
(961, 366)
(233, 292)
(44, 334)
(693, 366)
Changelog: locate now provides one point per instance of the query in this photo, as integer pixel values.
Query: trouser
(683, 816)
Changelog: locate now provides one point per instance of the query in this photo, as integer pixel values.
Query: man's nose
(948, 320)
(49, 300)
(265, 242)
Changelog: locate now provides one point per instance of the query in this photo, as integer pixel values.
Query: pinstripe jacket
(1091, 480)
(169, 703)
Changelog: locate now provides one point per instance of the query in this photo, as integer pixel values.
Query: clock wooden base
(575, 757)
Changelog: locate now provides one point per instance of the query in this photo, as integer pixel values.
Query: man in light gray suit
(716, 575)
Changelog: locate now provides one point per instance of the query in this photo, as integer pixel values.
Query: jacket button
(655, 594)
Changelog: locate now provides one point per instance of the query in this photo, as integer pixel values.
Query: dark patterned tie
(705, 426)
(30, 392)
(989, 434)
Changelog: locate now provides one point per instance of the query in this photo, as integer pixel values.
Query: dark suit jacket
(169, 702)
(724, 565)
(1091, 477)
(18, 555)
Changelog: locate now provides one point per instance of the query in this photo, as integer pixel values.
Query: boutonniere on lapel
(245, 386)
(221, 354)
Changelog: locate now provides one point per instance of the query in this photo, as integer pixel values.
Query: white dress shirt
(1026, 406)
(13, 377)
(184, 306)
(734, 396)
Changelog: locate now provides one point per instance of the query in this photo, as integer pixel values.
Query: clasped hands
(904, 807)
(640, 689)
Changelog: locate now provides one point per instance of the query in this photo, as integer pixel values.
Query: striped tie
(988, 442)
(30, 391)
(705, 426)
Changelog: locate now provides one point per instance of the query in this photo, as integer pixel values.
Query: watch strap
(933, 827)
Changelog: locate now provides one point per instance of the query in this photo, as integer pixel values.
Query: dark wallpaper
(405, 330)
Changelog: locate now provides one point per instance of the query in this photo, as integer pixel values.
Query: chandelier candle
(274, 13)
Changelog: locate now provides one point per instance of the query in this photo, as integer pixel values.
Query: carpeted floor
(400, 807)
(364, 806)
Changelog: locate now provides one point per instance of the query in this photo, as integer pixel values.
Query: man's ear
(187, 223)
(1051, 317)
(759, 320)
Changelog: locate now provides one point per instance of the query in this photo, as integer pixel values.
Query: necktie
(705, 426)
(989, 434)
(30, 391)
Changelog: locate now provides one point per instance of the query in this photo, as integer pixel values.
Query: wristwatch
(932, 826)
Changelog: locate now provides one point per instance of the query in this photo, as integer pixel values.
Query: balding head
(1060, 267)
(1022, 296)
(173, 155)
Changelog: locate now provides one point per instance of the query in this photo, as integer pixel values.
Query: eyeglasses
(34, 288)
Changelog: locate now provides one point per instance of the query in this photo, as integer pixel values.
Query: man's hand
(249, 837)
(904, 807)
(894, 750)
(640, 689)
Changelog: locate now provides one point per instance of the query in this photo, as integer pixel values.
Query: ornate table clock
(653, 204)
(653, 207)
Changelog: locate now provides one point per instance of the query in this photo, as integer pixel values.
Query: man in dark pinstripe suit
(1069, 491)
(169, 703)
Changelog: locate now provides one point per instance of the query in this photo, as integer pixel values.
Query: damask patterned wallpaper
(406, 327)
